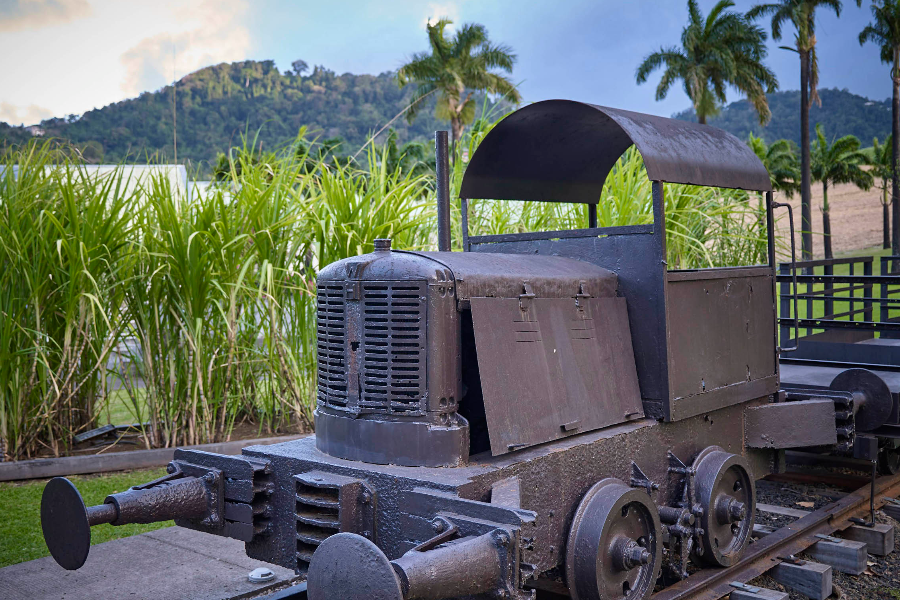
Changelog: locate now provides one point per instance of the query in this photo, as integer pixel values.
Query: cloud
(16, 15)
(435, 11)
(28, 115)
(216, 32)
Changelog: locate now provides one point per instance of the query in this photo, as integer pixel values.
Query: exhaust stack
(442, 171)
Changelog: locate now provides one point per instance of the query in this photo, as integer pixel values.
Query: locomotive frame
(543, 413)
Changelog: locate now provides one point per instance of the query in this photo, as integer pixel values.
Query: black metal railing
(890, 265)
(847, 301)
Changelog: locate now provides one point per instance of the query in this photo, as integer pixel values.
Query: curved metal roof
(562, 151)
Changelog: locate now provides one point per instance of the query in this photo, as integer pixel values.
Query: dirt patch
(856, 221)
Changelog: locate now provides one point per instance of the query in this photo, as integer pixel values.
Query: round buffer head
(347, 566)
(877, 399)
(65, 525)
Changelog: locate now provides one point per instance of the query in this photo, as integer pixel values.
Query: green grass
(20, 513)
(818, 308)
(119, 409)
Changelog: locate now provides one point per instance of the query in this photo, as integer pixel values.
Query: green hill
(217, 104)
(841, 113)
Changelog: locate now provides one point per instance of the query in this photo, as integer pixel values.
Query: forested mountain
(841, 113)
(216, 105)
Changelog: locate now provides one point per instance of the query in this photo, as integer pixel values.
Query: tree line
(460, 70)
(726, 48)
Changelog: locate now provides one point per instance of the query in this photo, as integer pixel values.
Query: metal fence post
(784, 297)
(868, 313)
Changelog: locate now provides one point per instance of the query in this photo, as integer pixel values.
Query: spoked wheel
(614, 544)
(727, 493)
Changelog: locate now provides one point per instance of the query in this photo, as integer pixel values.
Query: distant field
(855, 220)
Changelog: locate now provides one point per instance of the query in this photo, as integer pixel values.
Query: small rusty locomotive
(544, 413)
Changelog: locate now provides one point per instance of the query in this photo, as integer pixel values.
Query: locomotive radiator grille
(330, 341)
(393, 370)
(318, 516)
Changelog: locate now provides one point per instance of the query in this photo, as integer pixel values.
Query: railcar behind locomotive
(545, 412)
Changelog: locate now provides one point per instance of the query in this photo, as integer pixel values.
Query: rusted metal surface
(872, 400)
(716, 307)
(683, 324)
(552, 368)
(442, 175)
(775, 425)
(183, 498)
(725, 489)
(563, 234)
(562, 151)
(614, 548)
(469, 403)
(391, 387)
(637, 257)
(457, 568)
(761, 556)
(66, 522)
(553, 478)
(353, 568)
(244, 512)
(503, 275)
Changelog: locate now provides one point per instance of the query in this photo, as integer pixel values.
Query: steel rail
(762, 555)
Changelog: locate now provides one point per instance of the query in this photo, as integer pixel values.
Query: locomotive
(542, 413)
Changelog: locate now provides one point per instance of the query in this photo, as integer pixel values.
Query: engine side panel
(552, 367)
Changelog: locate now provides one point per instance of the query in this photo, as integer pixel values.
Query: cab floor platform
(167, 564)
(820, 376)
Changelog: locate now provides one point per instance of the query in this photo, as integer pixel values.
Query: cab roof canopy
(562, 151)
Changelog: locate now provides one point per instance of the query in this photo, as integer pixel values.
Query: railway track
(766, 553)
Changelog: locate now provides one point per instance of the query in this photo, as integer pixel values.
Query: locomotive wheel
(727, 493)
(614, 544)
(889, 461)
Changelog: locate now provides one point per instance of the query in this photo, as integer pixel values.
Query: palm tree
(840, 162)
(455, 69)
(723, 49)
(885, 31)
(802, 15)
(780, 161)
(882, 167)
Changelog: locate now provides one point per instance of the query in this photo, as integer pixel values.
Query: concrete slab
(167, 564)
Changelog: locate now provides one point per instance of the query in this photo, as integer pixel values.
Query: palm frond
(723, 49)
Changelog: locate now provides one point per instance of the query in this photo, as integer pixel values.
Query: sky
(61, 57)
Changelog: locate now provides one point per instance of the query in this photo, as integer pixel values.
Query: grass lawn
(120, 410)
(818, 308)
(20, 512)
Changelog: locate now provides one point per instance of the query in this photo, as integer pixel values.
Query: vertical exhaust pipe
(442, 171)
